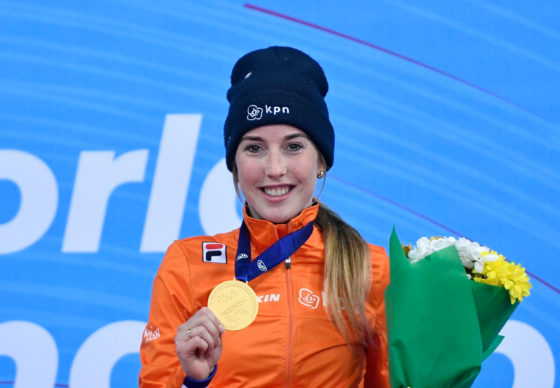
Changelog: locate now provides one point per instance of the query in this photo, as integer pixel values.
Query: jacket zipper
(290, 323)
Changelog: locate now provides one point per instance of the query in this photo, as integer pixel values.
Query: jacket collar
(265, 233)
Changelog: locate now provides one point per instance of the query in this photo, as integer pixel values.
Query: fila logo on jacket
(213, 252)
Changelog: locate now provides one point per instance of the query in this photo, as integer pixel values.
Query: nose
(275, 164)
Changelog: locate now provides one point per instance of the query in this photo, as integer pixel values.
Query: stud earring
(320, 174)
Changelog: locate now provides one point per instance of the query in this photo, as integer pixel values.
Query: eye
(253, 148)
(294, 147)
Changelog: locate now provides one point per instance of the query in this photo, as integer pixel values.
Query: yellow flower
(505, 274)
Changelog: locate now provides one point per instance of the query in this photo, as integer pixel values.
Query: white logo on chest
(308, 298)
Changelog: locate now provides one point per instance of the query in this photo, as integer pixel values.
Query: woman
(321, 312)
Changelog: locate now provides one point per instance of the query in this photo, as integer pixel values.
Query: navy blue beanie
(278, 85)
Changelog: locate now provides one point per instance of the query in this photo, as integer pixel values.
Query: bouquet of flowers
(446, 303)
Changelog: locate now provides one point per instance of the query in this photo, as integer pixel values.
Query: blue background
(446, 118)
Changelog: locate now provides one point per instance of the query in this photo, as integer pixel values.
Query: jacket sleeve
(171, 306)
(377, 364)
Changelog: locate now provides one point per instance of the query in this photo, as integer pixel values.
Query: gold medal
(234, 303)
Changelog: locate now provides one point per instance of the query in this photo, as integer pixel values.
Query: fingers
(201, 332)
(206, 312)
(209, 335)
(203, 324)
(205, 317)
(198, 342)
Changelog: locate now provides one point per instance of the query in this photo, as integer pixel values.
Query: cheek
(307, 171)
(247, 173)
(313, 165)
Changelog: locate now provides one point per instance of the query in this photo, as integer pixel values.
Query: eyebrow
(288, 137)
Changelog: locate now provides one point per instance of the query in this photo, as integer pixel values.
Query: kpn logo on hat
(255, 112)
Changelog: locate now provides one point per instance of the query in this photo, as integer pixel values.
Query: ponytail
(347, 274)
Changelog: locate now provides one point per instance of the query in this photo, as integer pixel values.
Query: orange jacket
(291, 343)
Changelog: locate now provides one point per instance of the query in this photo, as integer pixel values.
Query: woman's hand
(198, 344)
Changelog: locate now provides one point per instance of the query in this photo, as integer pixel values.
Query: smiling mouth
(276, 191)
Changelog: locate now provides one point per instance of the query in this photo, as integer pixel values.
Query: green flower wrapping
(441, 325)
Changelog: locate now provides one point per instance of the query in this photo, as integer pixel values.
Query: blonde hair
(347, 275)
(347, 271)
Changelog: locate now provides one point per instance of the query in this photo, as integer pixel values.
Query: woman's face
(277, 168)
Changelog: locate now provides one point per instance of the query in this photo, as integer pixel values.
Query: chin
(275, 214)
(281, 218)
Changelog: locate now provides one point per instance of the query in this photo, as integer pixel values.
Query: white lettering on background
(171, 181)
(98, 355)
(530, 354)
(99, 174)
(39, 199)
(34, 352)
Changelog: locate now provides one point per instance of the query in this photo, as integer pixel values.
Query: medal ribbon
(246, 270)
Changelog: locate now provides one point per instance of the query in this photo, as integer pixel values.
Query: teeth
(277, 191)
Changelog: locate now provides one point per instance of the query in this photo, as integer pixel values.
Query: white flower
(478, 265)
(470, 252)
(440, 243)
(421, 250)
(490, 257)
